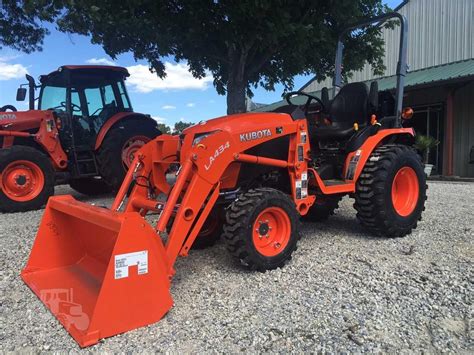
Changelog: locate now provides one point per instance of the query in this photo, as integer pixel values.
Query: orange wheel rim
(130, 148)
(271, 231)
(22, 180)
(405, 191)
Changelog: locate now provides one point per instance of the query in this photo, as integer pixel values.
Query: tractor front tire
(90, 186)
(26, 179)
(120, 144)
(391, 191)
(262, 229)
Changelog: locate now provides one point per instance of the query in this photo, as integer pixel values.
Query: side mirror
(21, 94)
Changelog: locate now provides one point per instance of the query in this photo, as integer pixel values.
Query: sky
(178, 97)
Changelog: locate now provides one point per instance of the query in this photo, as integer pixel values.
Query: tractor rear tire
(262, 229)
(90, 186)
(26, 179)
(323, 208)
(391, 191)
(112, 164)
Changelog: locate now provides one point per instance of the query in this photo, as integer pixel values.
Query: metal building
(440, 82)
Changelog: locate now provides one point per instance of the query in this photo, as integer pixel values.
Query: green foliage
(164, 128)
(19, 24)
(424, 144)
(180, 126)
(243, 44)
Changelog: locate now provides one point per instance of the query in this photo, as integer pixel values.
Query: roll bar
(402, 58)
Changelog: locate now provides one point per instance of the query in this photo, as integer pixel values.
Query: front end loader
(246, 177)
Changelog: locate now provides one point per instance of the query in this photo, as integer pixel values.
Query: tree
(19, 27)
(242, 43)
(180, 126)
(164, 128)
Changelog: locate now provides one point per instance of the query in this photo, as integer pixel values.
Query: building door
(429, 120)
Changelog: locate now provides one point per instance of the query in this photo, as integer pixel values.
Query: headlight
(200, 136)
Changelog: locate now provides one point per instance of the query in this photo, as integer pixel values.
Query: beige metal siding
(439, 32)
(463, 130)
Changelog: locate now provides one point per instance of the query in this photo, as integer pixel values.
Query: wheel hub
(264, 229)
(21, 180)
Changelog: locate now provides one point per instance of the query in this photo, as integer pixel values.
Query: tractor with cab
(83, 132)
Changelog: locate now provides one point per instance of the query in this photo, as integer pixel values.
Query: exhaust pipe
(31, 86)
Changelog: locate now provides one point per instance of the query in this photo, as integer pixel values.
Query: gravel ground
(343, 291)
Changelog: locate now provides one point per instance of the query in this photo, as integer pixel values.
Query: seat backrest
(325, 97)
(350, 105)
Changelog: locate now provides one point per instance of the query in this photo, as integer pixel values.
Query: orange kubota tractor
(249, 177)
(84, 133)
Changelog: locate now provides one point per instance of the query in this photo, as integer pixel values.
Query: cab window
(53, 97)
(124, 96)
(94, 101)
(108, 93)
(100, 99)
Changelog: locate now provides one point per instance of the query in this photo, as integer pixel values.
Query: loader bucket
(99, 272)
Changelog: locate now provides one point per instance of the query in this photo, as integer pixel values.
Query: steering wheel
(98, 112)
(8, 107)
(310, 97)
(75, 108)
(62, 105)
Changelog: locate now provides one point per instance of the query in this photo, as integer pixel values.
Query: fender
(356, 160)
(112, 121)
(359, 157)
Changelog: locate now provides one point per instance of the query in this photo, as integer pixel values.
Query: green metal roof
(421, 77)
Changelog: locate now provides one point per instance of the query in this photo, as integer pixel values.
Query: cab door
(83, 131)
(101, 105)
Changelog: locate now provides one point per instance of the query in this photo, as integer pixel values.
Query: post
(449, 136)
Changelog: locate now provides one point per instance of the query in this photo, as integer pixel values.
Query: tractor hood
(23, 120)
(240, 123)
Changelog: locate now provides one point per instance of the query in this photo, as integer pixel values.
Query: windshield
(53, 97)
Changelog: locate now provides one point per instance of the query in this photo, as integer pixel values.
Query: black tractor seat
(352, 105)
(332, 132)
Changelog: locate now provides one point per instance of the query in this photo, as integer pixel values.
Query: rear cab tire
(391, 191)
(26, 179)
(262, 228)
(121, 137)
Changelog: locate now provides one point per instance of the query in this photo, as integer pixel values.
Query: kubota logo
(250, 136)
(7, 116)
